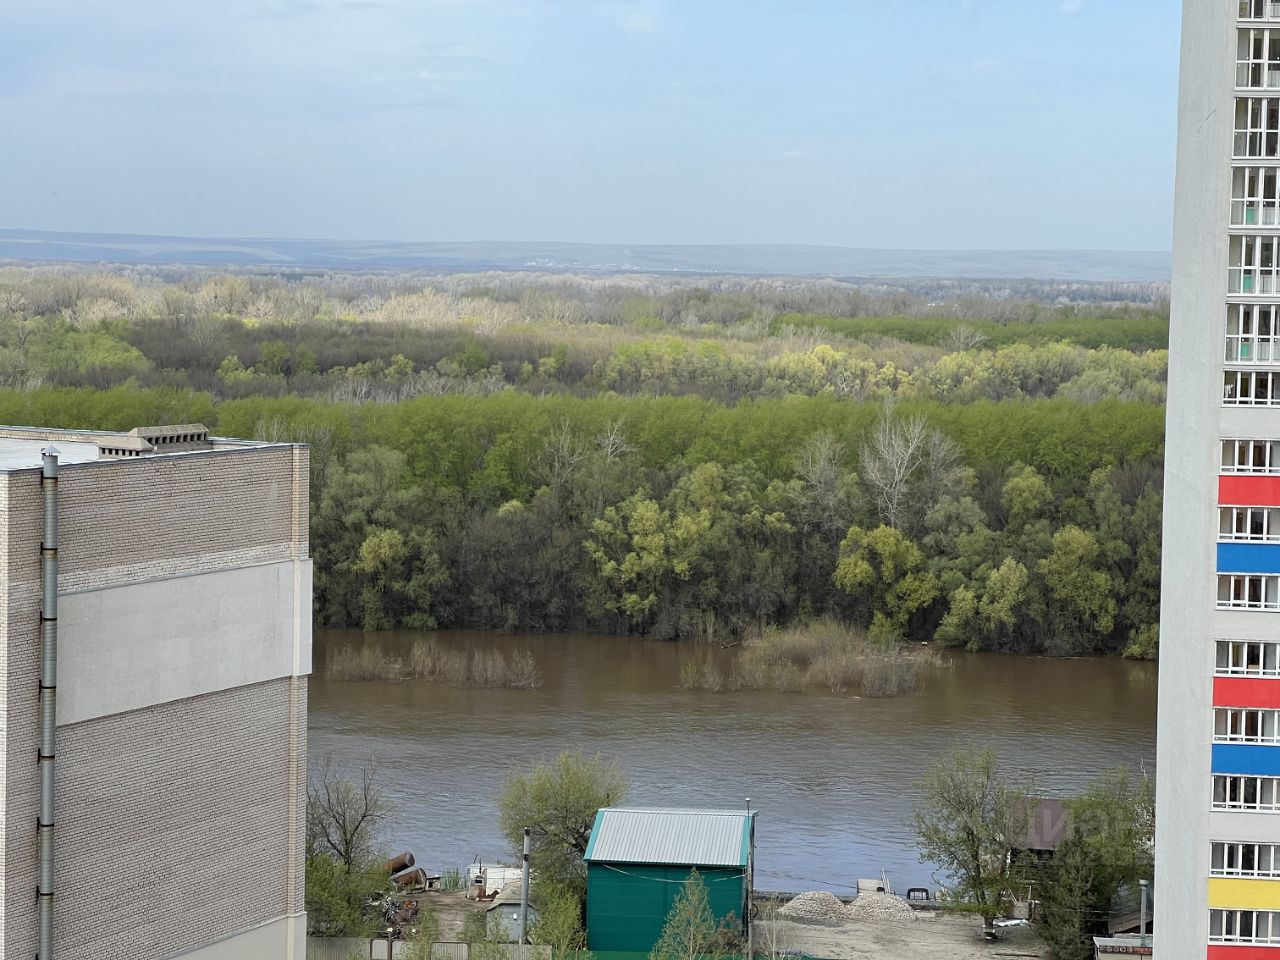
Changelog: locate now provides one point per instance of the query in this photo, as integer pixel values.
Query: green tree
(427, 923)
(970, 816)
(1108, 850)
(343, 865)
(559, 925)
(1074, 578)
(690, 931)
(884, 572)
(558, 802)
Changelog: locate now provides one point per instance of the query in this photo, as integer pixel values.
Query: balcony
(1250, 388)
(1255, 213)
(1258, 59)
(1259, 10)
(1242, 591)
(1245, 349)
(1257, 128)
(1253, 264)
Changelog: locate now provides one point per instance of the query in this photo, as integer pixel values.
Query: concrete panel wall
(145, 643)
(285, 939)
(173, 825)
(1192, 455)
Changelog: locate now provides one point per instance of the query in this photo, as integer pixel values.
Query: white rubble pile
(815, 907)
(878, 906)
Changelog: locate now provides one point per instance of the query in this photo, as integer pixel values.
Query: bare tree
(613, 442)
(963, 337)
(561, 455)
(343, 815)
(890, 460)
(773, 935)
(907, 462)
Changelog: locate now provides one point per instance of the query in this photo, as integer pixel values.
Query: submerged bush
(427, 660)
(824, 654)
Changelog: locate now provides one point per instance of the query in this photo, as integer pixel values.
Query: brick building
(183, 637)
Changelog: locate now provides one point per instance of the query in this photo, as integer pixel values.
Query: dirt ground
(931, 936)
(451, 908)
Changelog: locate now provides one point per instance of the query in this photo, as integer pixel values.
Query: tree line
(1028, 526)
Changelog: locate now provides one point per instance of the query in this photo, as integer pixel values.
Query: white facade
(1218, 756)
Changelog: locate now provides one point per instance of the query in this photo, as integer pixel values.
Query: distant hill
(780, 259)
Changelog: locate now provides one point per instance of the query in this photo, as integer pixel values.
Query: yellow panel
(1244, 894)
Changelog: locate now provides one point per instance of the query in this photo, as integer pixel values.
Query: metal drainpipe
(48, 695)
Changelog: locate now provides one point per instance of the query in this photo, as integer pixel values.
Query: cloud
(796, 154)
(1071, 7)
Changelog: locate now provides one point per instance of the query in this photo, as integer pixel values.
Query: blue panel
(1260, 761)
(1248, 558)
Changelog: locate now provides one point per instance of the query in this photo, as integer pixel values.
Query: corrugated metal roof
(701, 838)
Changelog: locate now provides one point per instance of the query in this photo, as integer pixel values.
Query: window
(1246, 725)
(1239, 792)
(1241, 591)
(1244, 926)
(1250, 456)
(1250, 388)
(1259, 10)
(1247, 658)
(1257, 128)
(1252, 333)
(1249, 523)
(1258, 59)
(1245, 860)
(1253, 263)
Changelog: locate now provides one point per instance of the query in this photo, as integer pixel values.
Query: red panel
(1221, 951)
(1248, 491)
(1246, 692)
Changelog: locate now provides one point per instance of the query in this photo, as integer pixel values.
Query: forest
(692, 458)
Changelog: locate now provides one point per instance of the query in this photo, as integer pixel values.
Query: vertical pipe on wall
(48, 696)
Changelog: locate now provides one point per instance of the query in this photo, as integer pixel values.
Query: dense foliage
(667, 463)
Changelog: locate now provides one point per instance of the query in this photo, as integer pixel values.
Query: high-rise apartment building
(160, 813)
(1217, 890)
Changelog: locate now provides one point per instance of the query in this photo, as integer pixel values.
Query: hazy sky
(873, 123)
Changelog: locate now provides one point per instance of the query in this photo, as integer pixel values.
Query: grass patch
(427, 660)
(822, 655)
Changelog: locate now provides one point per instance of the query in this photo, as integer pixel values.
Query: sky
(935, 124)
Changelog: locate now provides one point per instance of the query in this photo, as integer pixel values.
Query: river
(832, 776)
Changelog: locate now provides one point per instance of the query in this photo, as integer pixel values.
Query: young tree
(558, 802)
(559, 925)
(342, 865)
(1108, 850)
(1068, 899)
(343, 816)
(969, 819)
(427, 924)
(691, 931)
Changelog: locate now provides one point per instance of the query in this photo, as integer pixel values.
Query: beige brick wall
(173, 824)
(177, 823)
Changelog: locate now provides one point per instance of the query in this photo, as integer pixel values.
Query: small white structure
(503, 918)
(486, 880)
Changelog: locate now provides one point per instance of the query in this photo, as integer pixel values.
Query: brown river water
(833, 776)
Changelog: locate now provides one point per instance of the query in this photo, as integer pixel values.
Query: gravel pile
(816, 907)
(878, 906)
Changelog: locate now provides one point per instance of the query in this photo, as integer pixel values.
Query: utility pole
(751, 883)
(524, 889)
(1142, 913)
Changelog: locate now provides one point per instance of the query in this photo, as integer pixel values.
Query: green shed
(637, 863)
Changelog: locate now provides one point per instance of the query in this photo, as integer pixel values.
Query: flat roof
(24, 454)
(671, 835)
(22, 448)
